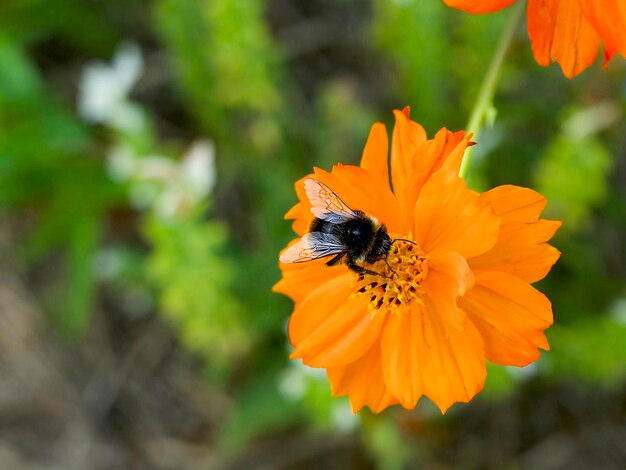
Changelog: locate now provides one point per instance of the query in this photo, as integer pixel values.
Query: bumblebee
(349, 236)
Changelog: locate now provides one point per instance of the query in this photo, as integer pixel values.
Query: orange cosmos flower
(454, 291)
(566, 31)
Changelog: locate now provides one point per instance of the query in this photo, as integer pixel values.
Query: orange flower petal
(333, 337)
(608, 17)
(374, 157)
(414, 158)
(363, 382)
(449, 277)
(315, 308)
(362, 190)
(455, 371)
(510, 315)
(299, 280)
(404, 337)
(451, 155)
(479, 6)
(450, 217)
(406, 138)
(521, 252)
(514, 203)
(444, 151)
(301, 212)
(521, 249)
(559, 32)
(420, 358)
(404, 355)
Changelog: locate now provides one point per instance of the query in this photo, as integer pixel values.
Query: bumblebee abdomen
(319, 225)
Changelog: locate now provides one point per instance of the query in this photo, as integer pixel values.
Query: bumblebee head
(382, 242)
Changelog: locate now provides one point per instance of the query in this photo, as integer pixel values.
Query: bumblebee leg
(389, 266)
(361, 270)
(403, 240)
(335, 260)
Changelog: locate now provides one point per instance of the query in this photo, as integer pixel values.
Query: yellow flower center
(399, 279)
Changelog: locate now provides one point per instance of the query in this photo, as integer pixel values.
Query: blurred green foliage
(46, 163)
(226, 63)
(590, 349)
(573, 173)
(273, 111)
(193, 278)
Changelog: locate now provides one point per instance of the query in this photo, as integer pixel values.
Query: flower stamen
(403, 271)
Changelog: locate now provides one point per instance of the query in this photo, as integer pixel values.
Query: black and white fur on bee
(349, 236)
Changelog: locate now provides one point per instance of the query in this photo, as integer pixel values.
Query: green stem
(485, 97)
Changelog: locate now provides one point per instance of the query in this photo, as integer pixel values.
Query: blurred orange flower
(461, 293)
(566, 31)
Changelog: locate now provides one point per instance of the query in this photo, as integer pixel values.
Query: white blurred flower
(159, 182)
(162, 184)
(104, 89)
(191, 180)
(295, 378)
(108, 263)
(143, 194)
(617, 311)
(586, 122)
(526, 372)
(121, 163)
(199, 168)
(342, 417)
(156, 168)
(291, 384)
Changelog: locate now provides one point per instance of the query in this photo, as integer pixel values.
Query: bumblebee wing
(325, 204)
(313, 245)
